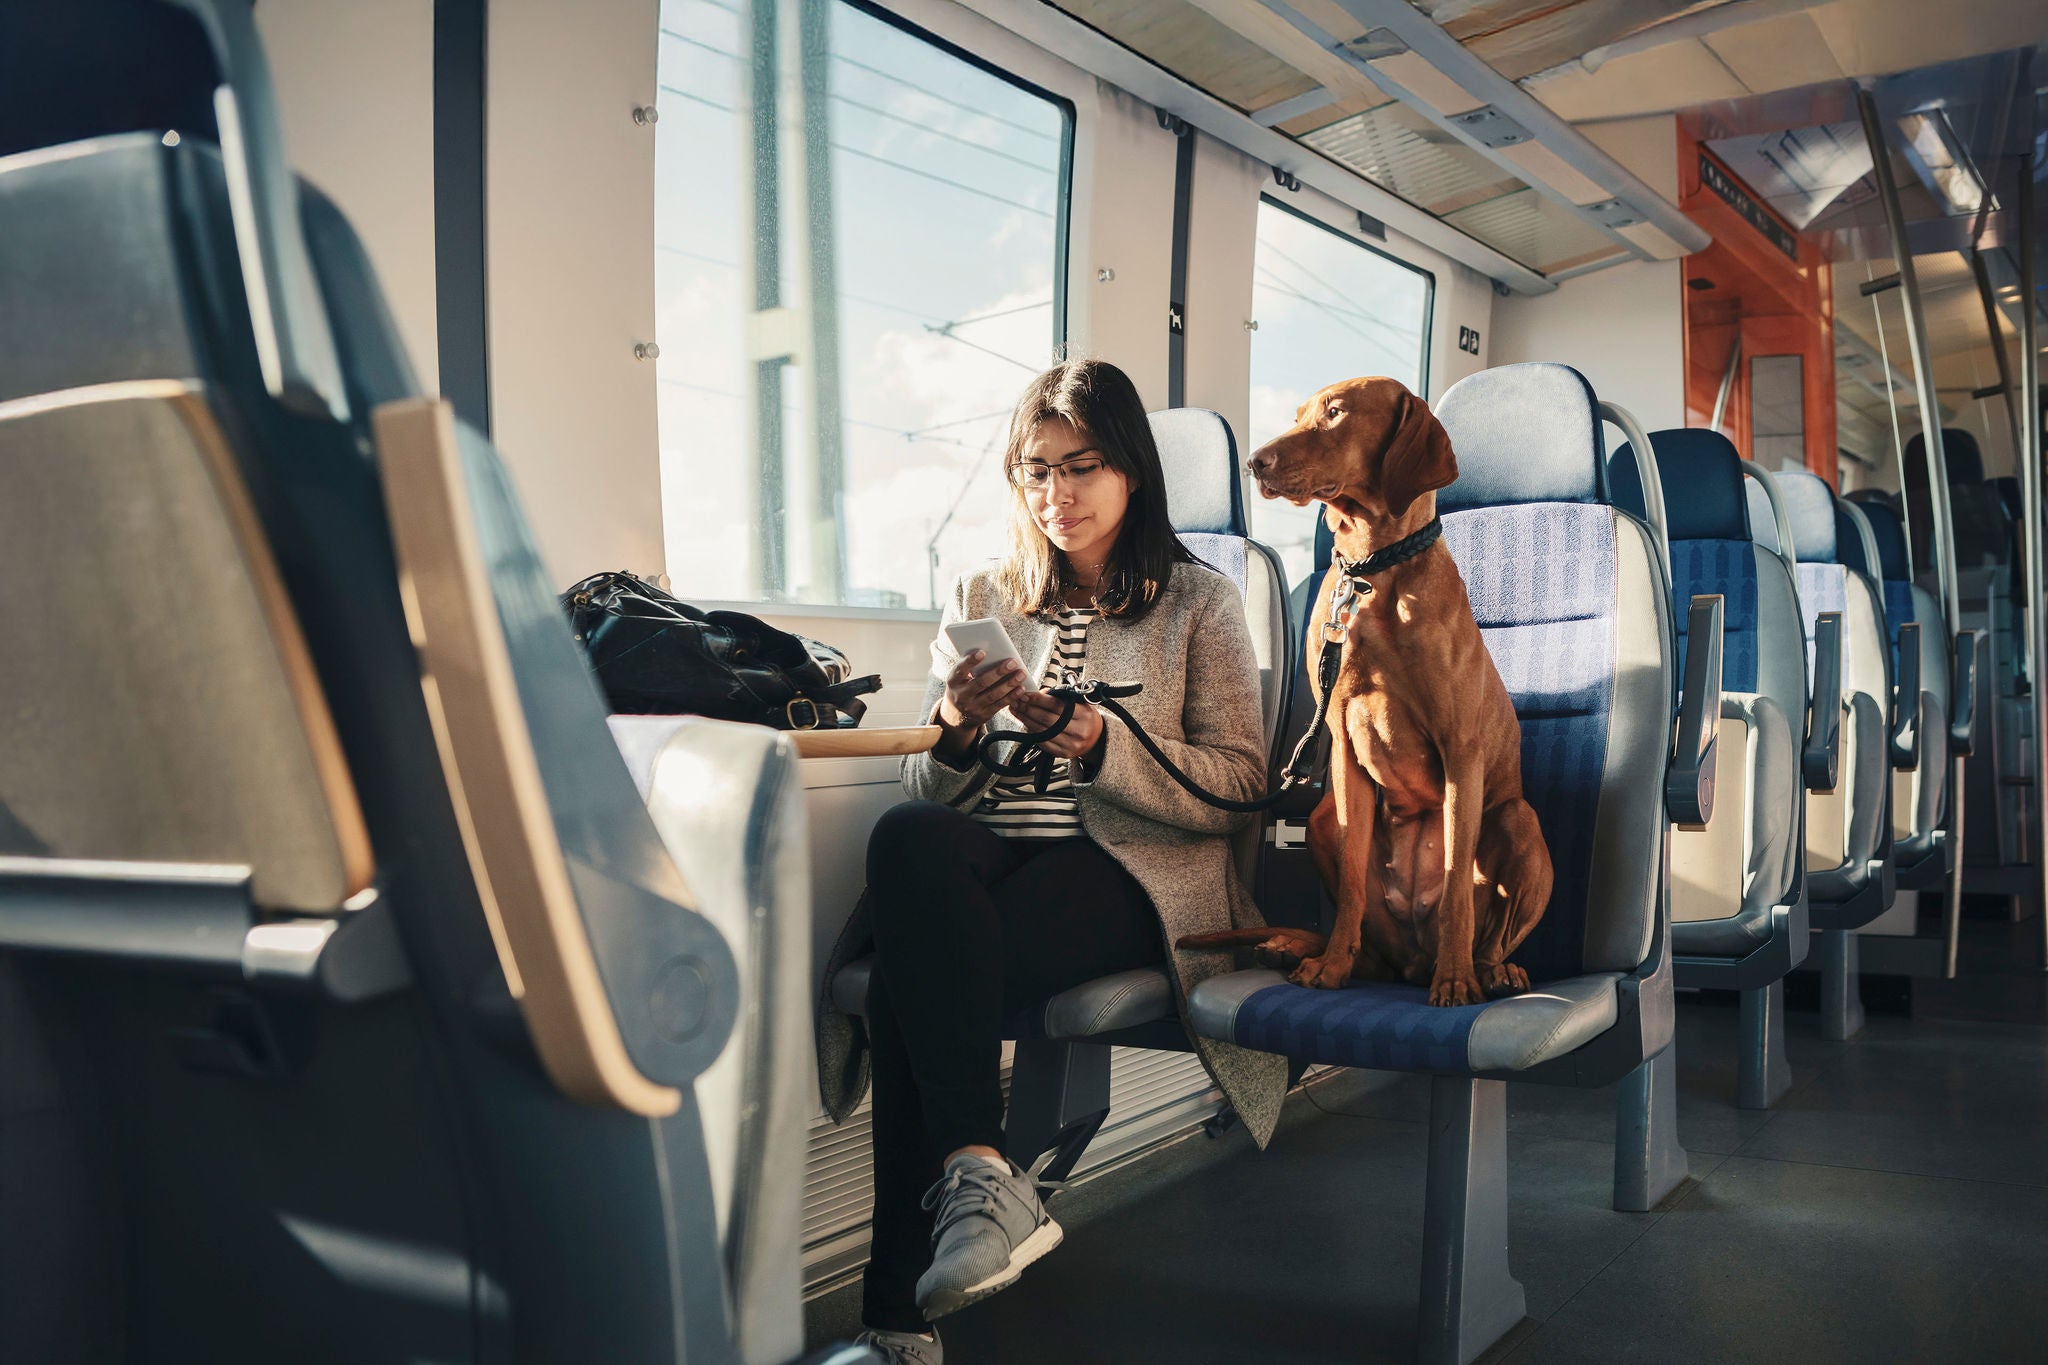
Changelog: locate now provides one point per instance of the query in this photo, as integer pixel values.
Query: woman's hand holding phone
(973, 698)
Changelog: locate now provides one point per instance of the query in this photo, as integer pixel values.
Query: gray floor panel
(1967, 1100)
(1882, 1268)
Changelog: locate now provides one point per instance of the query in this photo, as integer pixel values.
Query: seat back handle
(1822, 758)
(1962, 722)
(1905, 727)
(1689, 781)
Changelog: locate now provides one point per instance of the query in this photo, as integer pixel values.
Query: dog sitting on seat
(1433, 859)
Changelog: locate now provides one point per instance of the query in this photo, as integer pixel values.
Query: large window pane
(1328, 308)
(942, 208)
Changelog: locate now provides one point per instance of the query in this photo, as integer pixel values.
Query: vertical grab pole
(2030, 482)
(1937, 477)
(770, 348)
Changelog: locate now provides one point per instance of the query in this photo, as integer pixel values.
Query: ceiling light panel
(1537, 231)
(1400, 150)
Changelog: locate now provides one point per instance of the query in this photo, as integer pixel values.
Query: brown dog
(1434, 860)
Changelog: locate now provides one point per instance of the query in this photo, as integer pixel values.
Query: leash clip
(1335, 628)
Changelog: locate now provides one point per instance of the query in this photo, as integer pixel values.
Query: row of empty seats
(359, 1005)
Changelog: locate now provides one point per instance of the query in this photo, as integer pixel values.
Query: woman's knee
(913, 837)
(906, 826)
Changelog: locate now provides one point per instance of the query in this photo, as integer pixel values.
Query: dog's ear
(1419, 458)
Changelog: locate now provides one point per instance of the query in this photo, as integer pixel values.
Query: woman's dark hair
(1099, 399)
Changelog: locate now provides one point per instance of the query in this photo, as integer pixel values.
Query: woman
(987, 896)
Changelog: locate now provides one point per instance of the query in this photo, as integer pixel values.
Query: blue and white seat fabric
(1571, 601)
(1917, 794)
(1729, 877)
(1846, 837)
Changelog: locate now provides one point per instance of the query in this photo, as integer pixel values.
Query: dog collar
(1379, 561)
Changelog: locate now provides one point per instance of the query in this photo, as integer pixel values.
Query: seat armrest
(1962, 722)
(1822, 758)
(1905, 729)
(1689, 781)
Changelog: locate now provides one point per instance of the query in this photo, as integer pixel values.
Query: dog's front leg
(1342, 841)
(1455, 983)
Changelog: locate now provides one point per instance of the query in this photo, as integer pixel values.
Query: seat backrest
(1917, 800)
(241, 557)
(1894, 566)
(1572, 603)
(1713, 551)
(164, 707)
(1205, 498)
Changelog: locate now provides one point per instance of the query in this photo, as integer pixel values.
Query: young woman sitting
(988, 895)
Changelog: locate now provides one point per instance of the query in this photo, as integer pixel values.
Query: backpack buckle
(812, 720)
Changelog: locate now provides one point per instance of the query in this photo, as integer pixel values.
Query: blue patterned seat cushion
(1384, 1027)
(1727, 567)
(1822, 588)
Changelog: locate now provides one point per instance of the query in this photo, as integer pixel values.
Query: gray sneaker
(901, 1348)
(990, 1225)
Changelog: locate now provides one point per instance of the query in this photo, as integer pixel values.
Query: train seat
(1722, 905)
(245, 851)
(1738, 892)
(1919, 725)
(1572, 601)
(1205, 496)
(1059, 1093)
(1985, 535)
(1848, 840)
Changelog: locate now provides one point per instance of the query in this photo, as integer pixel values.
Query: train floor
(1892, 1207)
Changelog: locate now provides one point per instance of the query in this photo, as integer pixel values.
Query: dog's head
(1368, 447)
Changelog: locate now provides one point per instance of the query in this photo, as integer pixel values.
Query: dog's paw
(1456, 988)
(1503, 979)
(1325, 973)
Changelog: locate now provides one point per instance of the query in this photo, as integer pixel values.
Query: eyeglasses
(1034, 475)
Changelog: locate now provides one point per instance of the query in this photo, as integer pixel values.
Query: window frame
(1062, 234)
(1063, 216)
(1314, 219)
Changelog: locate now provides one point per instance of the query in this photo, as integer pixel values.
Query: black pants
(970, 928)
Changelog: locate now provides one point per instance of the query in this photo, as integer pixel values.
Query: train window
(852, 286)
(1329, 307)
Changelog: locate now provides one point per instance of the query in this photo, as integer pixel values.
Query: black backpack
(654, 655)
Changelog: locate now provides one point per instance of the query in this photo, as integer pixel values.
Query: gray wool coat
(1193, 653)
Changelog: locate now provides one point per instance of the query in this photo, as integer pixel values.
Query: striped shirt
(1013, 807)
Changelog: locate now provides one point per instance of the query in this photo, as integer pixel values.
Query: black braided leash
(1029, 759)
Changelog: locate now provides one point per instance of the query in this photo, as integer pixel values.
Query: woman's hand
(1037, 710)
(971, 700)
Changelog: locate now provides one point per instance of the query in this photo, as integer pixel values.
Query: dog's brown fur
(1435, 862)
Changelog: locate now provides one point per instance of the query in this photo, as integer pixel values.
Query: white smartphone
(988, 636)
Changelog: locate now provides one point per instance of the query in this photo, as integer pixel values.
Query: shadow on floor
(1894, 1207)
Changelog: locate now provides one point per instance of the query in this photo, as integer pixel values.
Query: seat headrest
(1763, 522)
(1524, 433)
(1702, 476)
(1810, 507)
(1885, 524)
(1959, 455)
(1199, 457)
(1855, 542)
